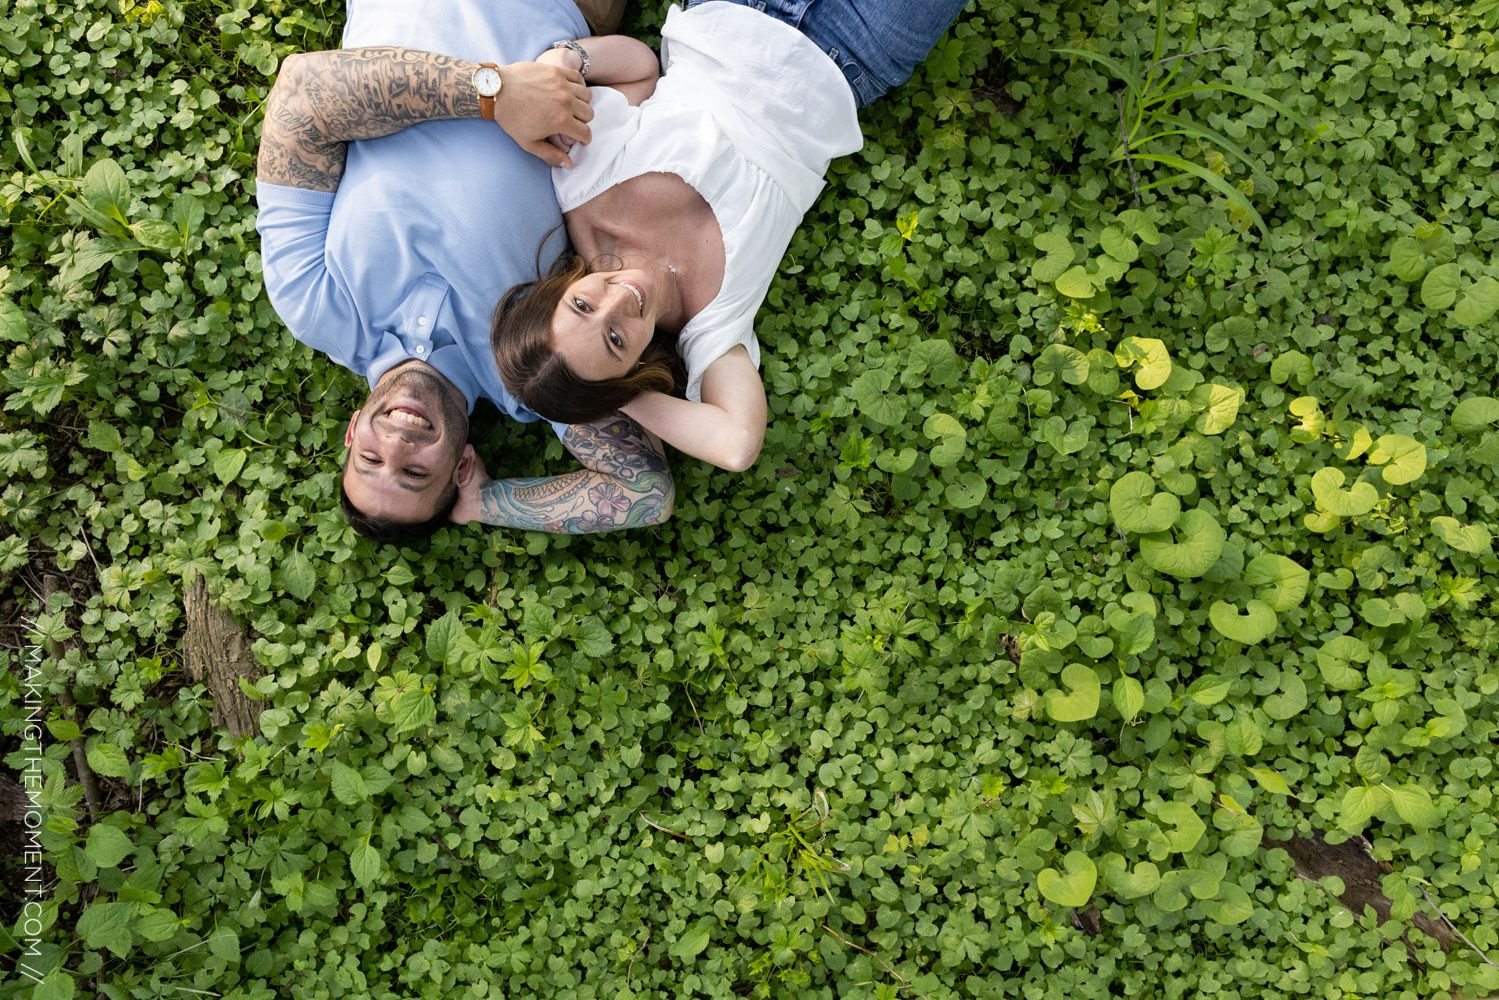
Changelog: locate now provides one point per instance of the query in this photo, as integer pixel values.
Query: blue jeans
(877, 43)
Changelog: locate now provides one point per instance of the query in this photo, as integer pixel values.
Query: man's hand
(541, 102)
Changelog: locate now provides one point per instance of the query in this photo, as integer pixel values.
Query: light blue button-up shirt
(430, 225)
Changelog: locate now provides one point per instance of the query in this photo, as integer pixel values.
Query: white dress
(749, 113)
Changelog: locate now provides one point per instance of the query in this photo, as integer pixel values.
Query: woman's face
(605, 319)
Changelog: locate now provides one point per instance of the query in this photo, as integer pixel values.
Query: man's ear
(349, 430)
(463, 473)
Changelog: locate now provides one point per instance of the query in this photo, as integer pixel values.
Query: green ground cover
(1107, 532)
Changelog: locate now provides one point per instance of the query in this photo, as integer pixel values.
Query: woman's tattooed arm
(624, 483)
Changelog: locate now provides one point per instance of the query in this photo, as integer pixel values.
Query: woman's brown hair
(521, 338)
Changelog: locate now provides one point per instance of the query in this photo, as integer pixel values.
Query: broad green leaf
(1138, 508)
(1240, 833)
(107, 925)
(1402, 458)
(896, 462)
(1187, 551)
(1231, 906)
(1255, 624)
(1280, 582)
(1439, 290)
(298, 576)
(1073, 889)
(1059, 255)
(968, 492)
(1413, 804)
(365, 864)
(107, 845)
(1243, 736)
(1288, 702)
(1142, 881)
(1292, 366)
(106, 759)
(1129, 697)
(1269, 780)
(935, 359)
(1219, 406)
(441, 635)
(694, 941)
(1118, 246)
(1081, 700)
(104, 187)
(1327, 488)
(348, 784)
(1471, 538)
(1209, 690)
(156, 923)
(1135, 631)
(1474, 414)
(951, 438)
(56, 985)
(1336, 661)
(1407, 259)
(1152, 357)
(1077, 283)
(1359, 805)
(877, 400)
(228, 464)
(1059, 360)
(1184, 828)
(1478, 304)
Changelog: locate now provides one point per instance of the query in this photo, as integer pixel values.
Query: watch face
(487, 81)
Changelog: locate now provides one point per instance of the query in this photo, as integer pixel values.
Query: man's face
(407, 445)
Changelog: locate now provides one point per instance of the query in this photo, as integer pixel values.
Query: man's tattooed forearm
(323, 100)
(626, 483)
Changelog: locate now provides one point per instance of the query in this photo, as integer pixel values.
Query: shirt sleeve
(702, 343)
(316, 307)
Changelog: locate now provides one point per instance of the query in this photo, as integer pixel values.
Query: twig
(904, 983)
(630, 969)
(1453, 927)
(657, 826)
(1134, 178)
(688, 692)
(50, 586)
(1188, 55)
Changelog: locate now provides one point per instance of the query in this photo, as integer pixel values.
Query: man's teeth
(407, 417)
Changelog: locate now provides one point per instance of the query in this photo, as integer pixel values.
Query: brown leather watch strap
(486, 108)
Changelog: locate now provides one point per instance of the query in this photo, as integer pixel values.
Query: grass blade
(1209, 178)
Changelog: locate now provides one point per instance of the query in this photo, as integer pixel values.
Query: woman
(681, 207)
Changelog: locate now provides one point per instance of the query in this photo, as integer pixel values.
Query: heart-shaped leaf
(1077, 283)
(1403, 458)
(1474, 414)
(1189, 549)
(1471, 538)
(1219, 405)
(1279, 582)
(1439, 290)
(1081, 698)
(1255, 624)
(1183, 827)
(1407, 259)
(1118, 246)
(1138, 508)
(1478, 304)
(1152, 357)
(1359, 804)
(1292, 366)
(1232, 905)
(1073, 889)
(1059, 360)
(1059, 254)
(1327, 487)
(1336, 661)
(1143, 880)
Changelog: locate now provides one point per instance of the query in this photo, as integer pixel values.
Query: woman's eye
(616, 339)
(580, 305)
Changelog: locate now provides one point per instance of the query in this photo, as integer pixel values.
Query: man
(393, 214)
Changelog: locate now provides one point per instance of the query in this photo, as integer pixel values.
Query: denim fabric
(877, 43)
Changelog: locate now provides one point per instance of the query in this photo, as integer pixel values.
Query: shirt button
(420, 349)
(421, 321)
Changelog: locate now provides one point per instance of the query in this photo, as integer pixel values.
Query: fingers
(546, 151)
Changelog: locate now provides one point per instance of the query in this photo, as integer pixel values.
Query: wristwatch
(487, 84)
(569, 43)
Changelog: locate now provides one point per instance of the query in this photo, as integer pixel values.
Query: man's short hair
(391, 532)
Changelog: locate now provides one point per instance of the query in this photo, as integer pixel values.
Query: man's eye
(414, 474)
(371, 459)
